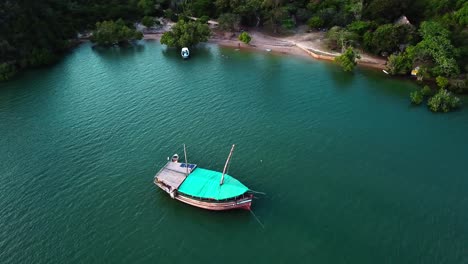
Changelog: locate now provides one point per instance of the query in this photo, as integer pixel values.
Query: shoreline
(304, 45)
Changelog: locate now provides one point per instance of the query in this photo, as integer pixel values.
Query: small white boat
(185, 53)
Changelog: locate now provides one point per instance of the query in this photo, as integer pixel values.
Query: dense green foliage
(186, 34)
(340, 38)
(399, 64)
(443, 101)
(347, 60)
(442, 82)
(416, 97)
(34, 33)
(315, 22)
(148, 21)
(111, 33)
(245, 37)
(426, 91)
(229, 22)
(6, 71)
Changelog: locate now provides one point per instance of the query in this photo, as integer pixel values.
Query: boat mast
(225, 165)
(186, 165)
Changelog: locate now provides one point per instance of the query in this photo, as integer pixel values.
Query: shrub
(186, 34)
(442, 82)
(204, 19)
(169, 14)
(245, 37)
(288, 23)
(147, 21)
(426, 91)
(6, 71)
(229, 22)
(399, 64)
(347, 60)
(443, 101)
(416, 97)
(315, 22)
(114, 32)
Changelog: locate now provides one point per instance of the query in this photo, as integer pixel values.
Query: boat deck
(173, 174)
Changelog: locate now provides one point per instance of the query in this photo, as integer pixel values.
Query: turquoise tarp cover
(204, 183)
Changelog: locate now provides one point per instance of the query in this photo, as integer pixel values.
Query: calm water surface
(352, 172)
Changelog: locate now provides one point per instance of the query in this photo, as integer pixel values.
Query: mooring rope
(258, 220)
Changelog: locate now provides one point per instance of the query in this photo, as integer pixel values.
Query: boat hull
(240, 203)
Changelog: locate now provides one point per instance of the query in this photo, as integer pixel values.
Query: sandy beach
(308, 45)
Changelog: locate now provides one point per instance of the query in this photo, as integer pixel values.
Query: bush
(360, 27)
(426, 91)
(416, 97)
(245, 37)
(6, 71)
(443, 101)
(40, 56)
(110, 33)
(169, 14)
(347, 60)
(459, 85)
(315, 22)
(229, 22)
(288, 23)
(204, 19)
(399, 64)
(148, 21)
(339, 38)
(442, 82)
(186, 34)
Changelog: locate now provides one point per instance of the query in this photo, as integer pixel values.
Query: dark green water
(352, 172)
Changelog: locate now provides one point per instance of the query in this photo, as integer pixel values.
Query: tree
(186, 34)
(384, 38)
(461, 15)
(275, 13)
(245, 37)
(360, 27)
(6, 71)
(442, 82)
(204, 19)
(436, 49)
(426, 91)
(315, 22)
(400, 64)
(148, 21)
(229, 22)
(148, 6)
(111, 33)
(339, 38)
(443, 101)
(416, 97)
(348, 59)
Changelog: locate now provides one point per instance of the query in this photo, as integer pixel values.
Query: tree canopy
(111, 33)
(347, 60)
(186, 34)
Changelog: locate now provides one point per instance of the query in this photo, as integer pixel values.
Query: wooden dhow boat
(203, 188)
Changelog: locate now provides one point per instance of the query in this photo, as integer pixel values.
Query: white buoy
(185, 53)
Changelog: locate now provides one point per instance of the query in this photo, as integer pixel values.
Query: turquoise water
(352, 172)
